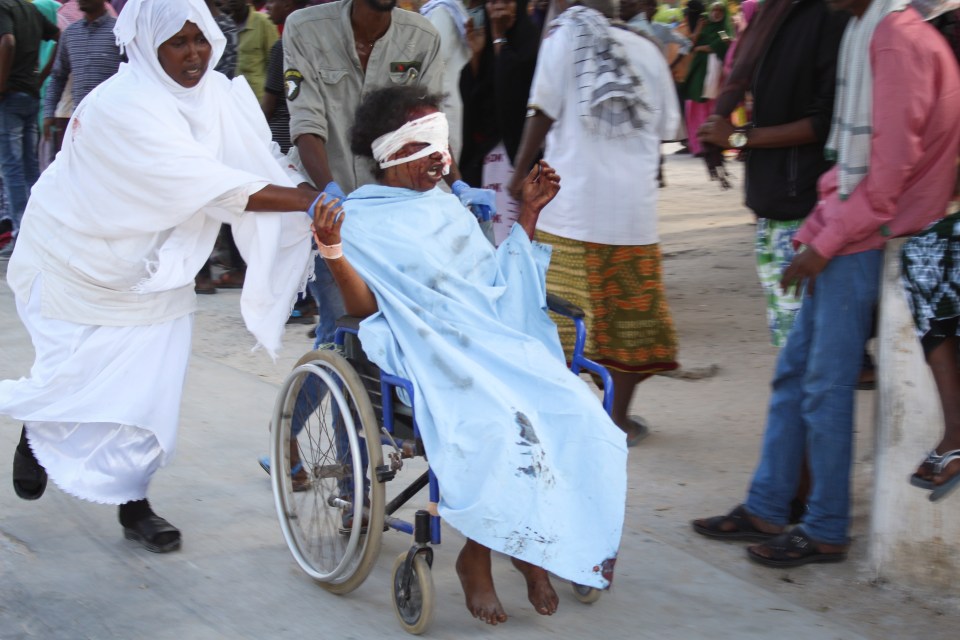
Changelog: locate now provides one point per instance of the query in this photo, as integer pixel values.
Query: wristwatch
(738, 139)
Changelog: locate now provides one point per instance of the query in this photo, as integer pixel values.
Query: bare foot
(473, 568)
(539, 590)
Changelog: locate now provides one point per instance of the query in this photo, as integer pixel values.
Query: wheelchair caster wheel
(414, 607)
(586, 595)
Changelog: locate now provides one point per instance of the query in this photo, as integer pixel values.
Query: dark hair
(385, 110)
(693, 11)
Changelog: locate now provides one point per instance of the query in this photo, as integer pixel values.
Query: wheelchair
(338, 435)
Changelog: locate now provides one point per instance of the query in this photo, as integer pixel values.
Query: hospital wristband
(330, 252)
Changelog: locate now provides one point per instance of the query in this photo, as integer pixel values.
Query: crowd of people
(163, 125)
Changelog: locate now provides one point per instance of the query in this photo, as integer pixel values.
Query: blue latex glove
(481, 202)
(334, 191)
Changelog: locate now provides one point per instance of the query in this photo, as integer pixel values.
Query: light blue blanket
(528, 462)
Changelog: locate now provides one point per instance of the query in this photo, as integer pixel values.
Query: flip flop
(640, 430)
(941, 491)
(936, 464)
(793, 548)
(147, 531)
(230, 280)
(298, 485)
(265, 465)
(740, 519)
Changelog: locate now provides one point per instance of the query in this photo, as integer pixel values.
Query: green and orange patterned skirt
(620, 289)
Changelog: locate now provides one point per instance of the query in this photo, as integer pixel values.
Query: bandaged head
(431, 129)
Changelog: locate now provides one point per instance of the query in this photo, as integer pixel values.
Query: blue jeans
(18, 150)
(811, 407)
(330, 307)
(329, 301)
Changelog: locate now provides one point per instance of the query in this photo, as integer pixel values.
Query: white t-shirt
(608, 193)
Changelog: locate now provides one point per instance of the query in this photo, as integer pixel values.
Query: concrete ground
(66, 572)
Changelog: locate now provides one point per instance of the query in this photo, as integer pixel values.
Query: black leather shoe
(29, 478)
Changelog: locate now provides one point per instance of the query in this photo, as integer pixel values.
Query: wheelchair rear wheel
(325, 451)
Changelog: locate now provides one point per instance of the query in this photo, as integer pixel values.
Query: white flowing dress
(113, 235)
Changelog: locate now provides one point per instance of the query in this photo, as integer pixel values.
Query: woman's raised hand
(476, 39)
(327, 220)
(540, 186)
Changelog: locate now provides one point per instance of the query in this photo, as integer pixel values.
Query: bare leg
(539, 590)
(476, 578)
(623, 385)
(944, 366)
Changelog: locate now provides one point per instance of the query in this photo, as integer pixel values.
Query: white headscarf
(149, 170)
(146, 24)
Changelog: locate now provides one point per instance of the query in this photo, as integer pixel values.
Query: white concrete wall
(912, 540)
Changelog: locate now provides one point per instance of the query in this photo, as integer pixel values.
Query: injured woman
(528, 462)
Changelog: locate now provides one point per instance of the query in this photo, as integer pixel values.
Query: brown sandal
(230, 280)
(793, 548)
(719, 527)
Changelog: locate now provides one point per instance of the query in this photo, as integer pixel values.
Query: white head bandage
(431, 129)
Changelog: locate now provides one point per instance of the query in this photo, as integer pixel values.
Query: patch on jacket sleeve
(292, 80)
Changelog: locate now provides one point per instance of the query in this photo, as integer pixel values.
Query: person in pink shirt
(895, 139)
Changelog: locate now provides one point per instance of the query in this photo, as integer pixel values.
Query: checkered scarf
(850, 135)
(612, 97)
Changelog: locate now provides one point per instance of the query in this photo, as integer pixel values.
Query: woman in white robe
(155, 159)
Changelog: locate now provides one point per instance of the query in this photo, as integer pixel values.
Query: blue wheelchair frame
(426, 529)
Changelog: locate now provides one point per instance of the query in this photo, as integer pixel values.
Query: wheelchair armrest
(351, 324)
(346, 326)
(564, 307)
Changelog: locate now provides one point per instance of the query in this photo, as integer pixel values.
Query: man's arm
(546, 97)
(51, 33)
(716, 130)
(308, 113)
(808, 130)
(8, 46)
(534, 133)
(276, 198)
(313, 156)
(58, 80)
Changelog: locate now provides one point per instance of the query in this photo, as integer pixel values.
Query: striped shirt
(89, 54)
